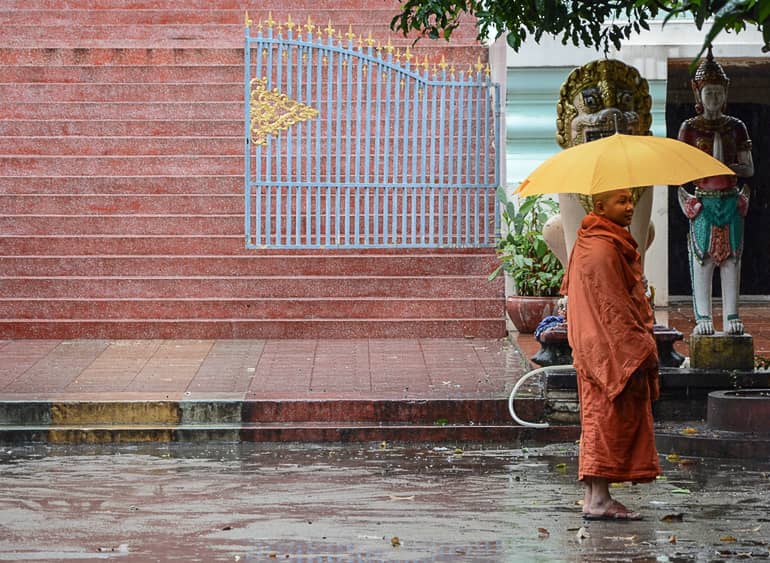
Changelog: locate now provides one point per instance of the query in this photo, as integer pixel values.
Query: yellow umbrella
(621, 161)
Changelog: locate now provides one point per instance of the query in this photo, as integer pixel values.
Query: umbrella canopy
(621, 161)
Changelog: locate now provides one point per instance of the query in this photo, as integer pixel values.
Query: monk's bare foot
(611, 511)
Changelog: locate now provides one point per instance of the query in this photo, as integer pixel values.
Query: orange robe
(609, 324)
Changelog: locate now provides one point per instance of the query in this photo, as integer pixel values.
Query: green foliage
(592, 23)
(523, 252)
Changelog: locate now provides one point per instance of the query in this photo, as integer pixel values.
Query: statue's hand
(743, 201)
(690, 204)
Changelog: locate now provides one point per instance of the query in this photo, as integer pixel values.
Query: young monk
(609, 322)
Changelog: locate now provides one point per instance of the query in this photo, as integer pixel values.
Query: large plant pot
(526, 312)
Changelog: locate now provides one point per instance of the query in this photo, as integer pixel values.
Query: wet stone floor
(366, 502)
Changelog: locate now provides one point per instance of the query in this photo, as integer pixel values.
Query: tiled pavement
(257, 369)
(273, 390)
(290, 369)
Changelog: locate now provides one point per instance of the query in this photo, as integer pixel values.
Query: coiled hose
(521, 380)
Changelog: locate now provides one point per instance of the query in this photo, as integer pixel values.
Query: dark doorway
(749, 101)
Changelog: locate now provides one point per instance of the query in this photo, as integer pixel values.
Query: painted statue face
(713, 97)
(617, 206)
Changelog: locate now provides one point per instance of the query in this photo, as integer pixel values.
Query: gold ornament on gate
(272, 112)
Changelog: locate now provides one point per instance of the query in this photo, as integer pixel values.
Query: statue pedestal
(555, 349)
(722, 351)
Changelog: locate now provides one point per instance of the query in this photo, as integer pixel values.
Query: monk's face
(617, 206)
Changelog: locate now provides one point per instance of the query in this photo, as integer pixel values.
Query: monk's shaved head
(604, 197)
(616, 205)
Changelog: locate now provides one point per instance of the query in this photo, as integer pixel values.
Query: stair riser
(212, 74)
(116, 128)
(125, 110)
(86, 245)
(205, 5)
(114, 56)
(123, 146)
(225, 35)
(174, 225)
(38, 204)
(169, 92)
(130, 184)
(267, 309)
(253, 265)
(340, 16)
(124, 204)
(241, 287)
(175, 329)
(417, 412)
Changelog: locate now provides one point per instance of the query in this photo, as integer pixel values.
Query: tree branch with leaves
(601, 24)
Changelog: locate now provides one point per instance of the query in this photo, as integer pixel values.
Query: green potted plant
(524, 255)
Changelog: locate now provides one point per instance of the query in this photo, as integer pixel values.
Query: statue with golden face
(717, 209)
(599, 99)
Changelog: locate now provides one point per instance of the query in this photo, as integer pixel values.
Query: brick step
(304, 264)
(163, 165)
(122, 92)
(232, 110)
(121, 146)
(154, 54)
(148, 144)
(174, 287)
(119, 165)
(182, 245)
(250, 5)
(220, 36)
(117, 224)
(151, 93)
(114, 56)
(210, 224)
(237, 328)
(124, 244)
(329, 432)
(87, 204)
(478, 410)
(200, 204)
(128, 184)
(122, 128)
(180, 74)
(244, 309)
(77, 17)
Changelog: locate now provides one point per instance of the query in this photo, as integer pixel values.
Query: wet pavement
(364, 502)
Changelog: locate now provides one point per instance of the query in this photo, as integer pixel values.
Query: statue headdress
(708, 72)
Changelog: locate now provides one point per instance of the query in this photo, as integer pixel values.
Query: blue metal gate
(349, 145)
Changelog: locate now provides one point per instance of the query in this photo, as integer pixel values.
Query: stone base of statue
(722, 351)
(555, 350)
(554, 347)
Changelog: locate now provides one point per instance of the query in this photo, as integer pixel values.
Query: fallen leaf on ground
(561, 466)
(678, 517)
(672, 457)
(680, 491)
(631, 539)
(395, 542)
(543, 533)
(689, 430)
(672, 539)
(728, 539)
(688, 462)
(396, 497)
